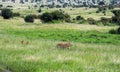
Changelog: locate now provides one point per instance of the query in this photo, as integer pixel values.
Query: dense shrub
(116, 12)
(104, 12)
(16, 14)
(97, 11)
(29, 18)
(105, 21)
(56, 15)
(103, 8)
(116, 20)
(6, 13)
(117, 31)
(79, 18)
(1, 5)
(67, 18)
(110, 7)
(92, 21)
(46, 17)
(116, 17)
(73, 19)
(112, 31)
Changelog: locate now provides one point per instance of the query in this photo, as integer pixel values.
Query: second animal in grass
(64, 45)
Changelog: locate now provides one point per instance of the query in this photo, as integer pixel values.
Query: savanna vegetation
(29, 39)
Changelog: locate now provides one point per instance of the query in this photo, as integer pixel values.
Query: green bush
(6, 13)
(55, 15)
(79, 18)
(104, 12)
(105, 21)
(67, 16)
(58, 15)
(68, 20)
(118, 30)
(92, 21)
(29, 18)
(101, 8)
(16, 14)
(112, 31)
(116, 12)
(46, 17)
(97, 11)
(116, 17)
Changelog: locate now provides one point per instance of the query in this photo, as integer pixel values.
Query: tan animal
(22, 42)
(25, 42)
(64, 45)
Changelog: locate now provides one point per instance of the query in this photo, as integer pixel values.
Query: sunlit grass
(43, 55)
(73, 12)
(40, 54)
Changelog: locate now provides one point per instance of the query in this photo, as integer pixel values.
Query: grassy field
(93, 50)
(73, 12)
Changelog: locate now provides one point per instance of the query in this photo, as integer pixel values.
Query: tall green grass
(92, 51)
(68, 35)
(43, 56)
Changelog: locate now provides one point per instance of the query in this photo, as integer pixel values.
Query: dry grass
(18, 23)
(43, 55)
(22, 54)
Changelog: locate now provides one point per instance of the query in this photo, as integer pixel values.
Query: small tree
(16, 14)
(116, 13)
(79, 18)
(105, 21)
(46, 17)
(55, 15)
(29, 18)
(58, 15)
(116, 17)
(92, 21)
(7, 13)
